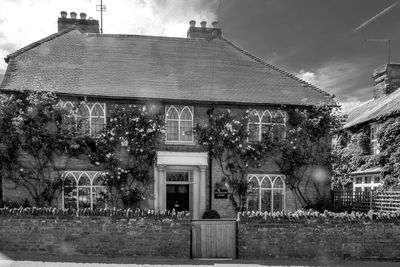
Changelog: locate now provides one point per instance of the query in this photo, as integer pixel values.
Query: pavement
(18, 260)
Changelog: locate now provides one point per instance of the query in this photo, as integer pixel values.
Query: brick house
(184, 77)
(368, 117)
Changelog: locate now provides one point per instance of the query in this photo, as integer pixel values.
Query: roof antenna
(219, 11)
(101, 8)
(382, 41)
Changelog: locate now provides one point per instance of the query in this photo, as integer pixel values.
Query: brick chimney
(85, 25)
(386, 79)
(203, 32)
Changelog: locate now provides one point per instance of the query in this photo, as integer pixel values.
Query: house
(184, 77)
(368, 117)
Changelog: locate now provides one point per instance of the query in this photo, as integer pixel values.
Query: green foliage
(126, 151)
(9, 143)
(226, 137)
(304, 154)
(211, 214)
(389, 157)
(305, 148)
(355, 154)
(46, 140)
(350, 154)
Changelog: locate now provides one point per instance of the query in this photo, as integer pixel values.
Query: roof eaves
(37, 43)
(288, 74)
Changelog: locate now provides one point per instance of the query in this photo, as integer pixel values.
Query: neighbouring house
(367, 118)
(184, 77)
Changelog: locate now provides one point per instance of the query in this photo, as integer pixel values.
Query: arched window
(266, 122)
(69, 191)
(90, 117)
(83, 117)
(83, 189)
(97, 118)
(179, 122)
(68, 106)
(266, 193)
(98, 191)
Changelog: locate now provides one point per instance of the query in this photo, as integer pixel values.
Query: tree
(47, 139)
(9, 143)
(348, 155)
(304, 155)
(126, 151)
(226, 137)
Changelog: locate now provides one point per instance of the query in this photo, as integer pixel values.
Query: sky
(313, 39)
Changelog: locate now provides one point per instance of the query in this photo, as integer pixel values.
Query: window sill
(189, 143)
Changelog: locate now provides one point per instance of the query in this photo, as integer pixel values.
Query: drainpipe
(210, 181)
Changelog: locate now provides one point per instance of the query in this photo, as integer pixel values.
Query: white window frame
(259, 123)
(272, 179)
(179, 110)
(374, 139)
(363, 184)
(77, 175)
(90, 108)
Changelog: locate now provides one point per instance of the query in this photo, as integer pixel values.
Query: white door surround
(194, 162)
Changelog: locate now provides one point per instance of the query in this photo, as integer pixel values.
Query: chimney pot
(73, 15)
(192, 23)
(203, 24)
(82, 15)
(215, 24)
(63, 14)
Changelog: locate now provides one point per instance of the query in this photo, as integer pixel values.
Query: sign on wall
(220, 193)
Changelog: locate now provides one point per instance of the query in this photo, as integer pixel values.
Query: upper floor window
(266, 121)
(91, 117)
(374, 139)
(179, 123)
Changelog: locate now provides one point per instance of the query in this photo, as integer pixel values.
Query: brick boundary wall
(259, 239)
(95, 236)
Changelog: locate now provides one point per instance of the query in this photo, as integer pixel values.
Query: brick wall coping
(311, 216)
(117, 213)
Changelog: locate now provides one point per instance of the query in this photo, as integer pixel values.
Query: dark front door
(178, 197)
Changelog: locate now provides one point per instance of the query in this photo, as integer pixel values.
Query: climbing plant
(126, 152)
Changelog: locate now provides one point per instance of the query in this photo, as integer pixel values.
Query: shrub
(211, 214)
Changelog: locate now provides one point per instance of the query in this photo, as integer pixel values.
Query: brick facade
(67, 235)
(265, 240)
(223, 206)
(95, 236)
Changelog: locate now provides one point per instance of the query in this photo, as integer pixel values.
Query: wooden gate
(214, 239)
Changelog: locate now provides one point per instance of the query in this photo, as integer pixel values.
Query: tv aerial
(365, 23)
(102, 8)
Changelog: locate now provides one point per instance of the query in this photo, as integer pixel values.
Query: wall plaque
(220, 193)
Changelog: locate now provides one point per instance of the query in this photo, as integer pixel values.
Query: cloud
(24, 22)
(332, 75)
(346, 79)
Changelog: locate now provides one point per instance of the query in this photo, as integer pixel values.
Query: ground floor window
(266, 193)
(83, 189)
(366, 182)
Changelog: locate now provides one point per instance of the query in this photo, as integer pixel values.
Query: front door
(178, 197)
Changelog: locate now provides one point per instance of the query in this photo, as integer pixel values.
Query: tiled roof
(367, 171)
(150, 67)
(374, 109)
